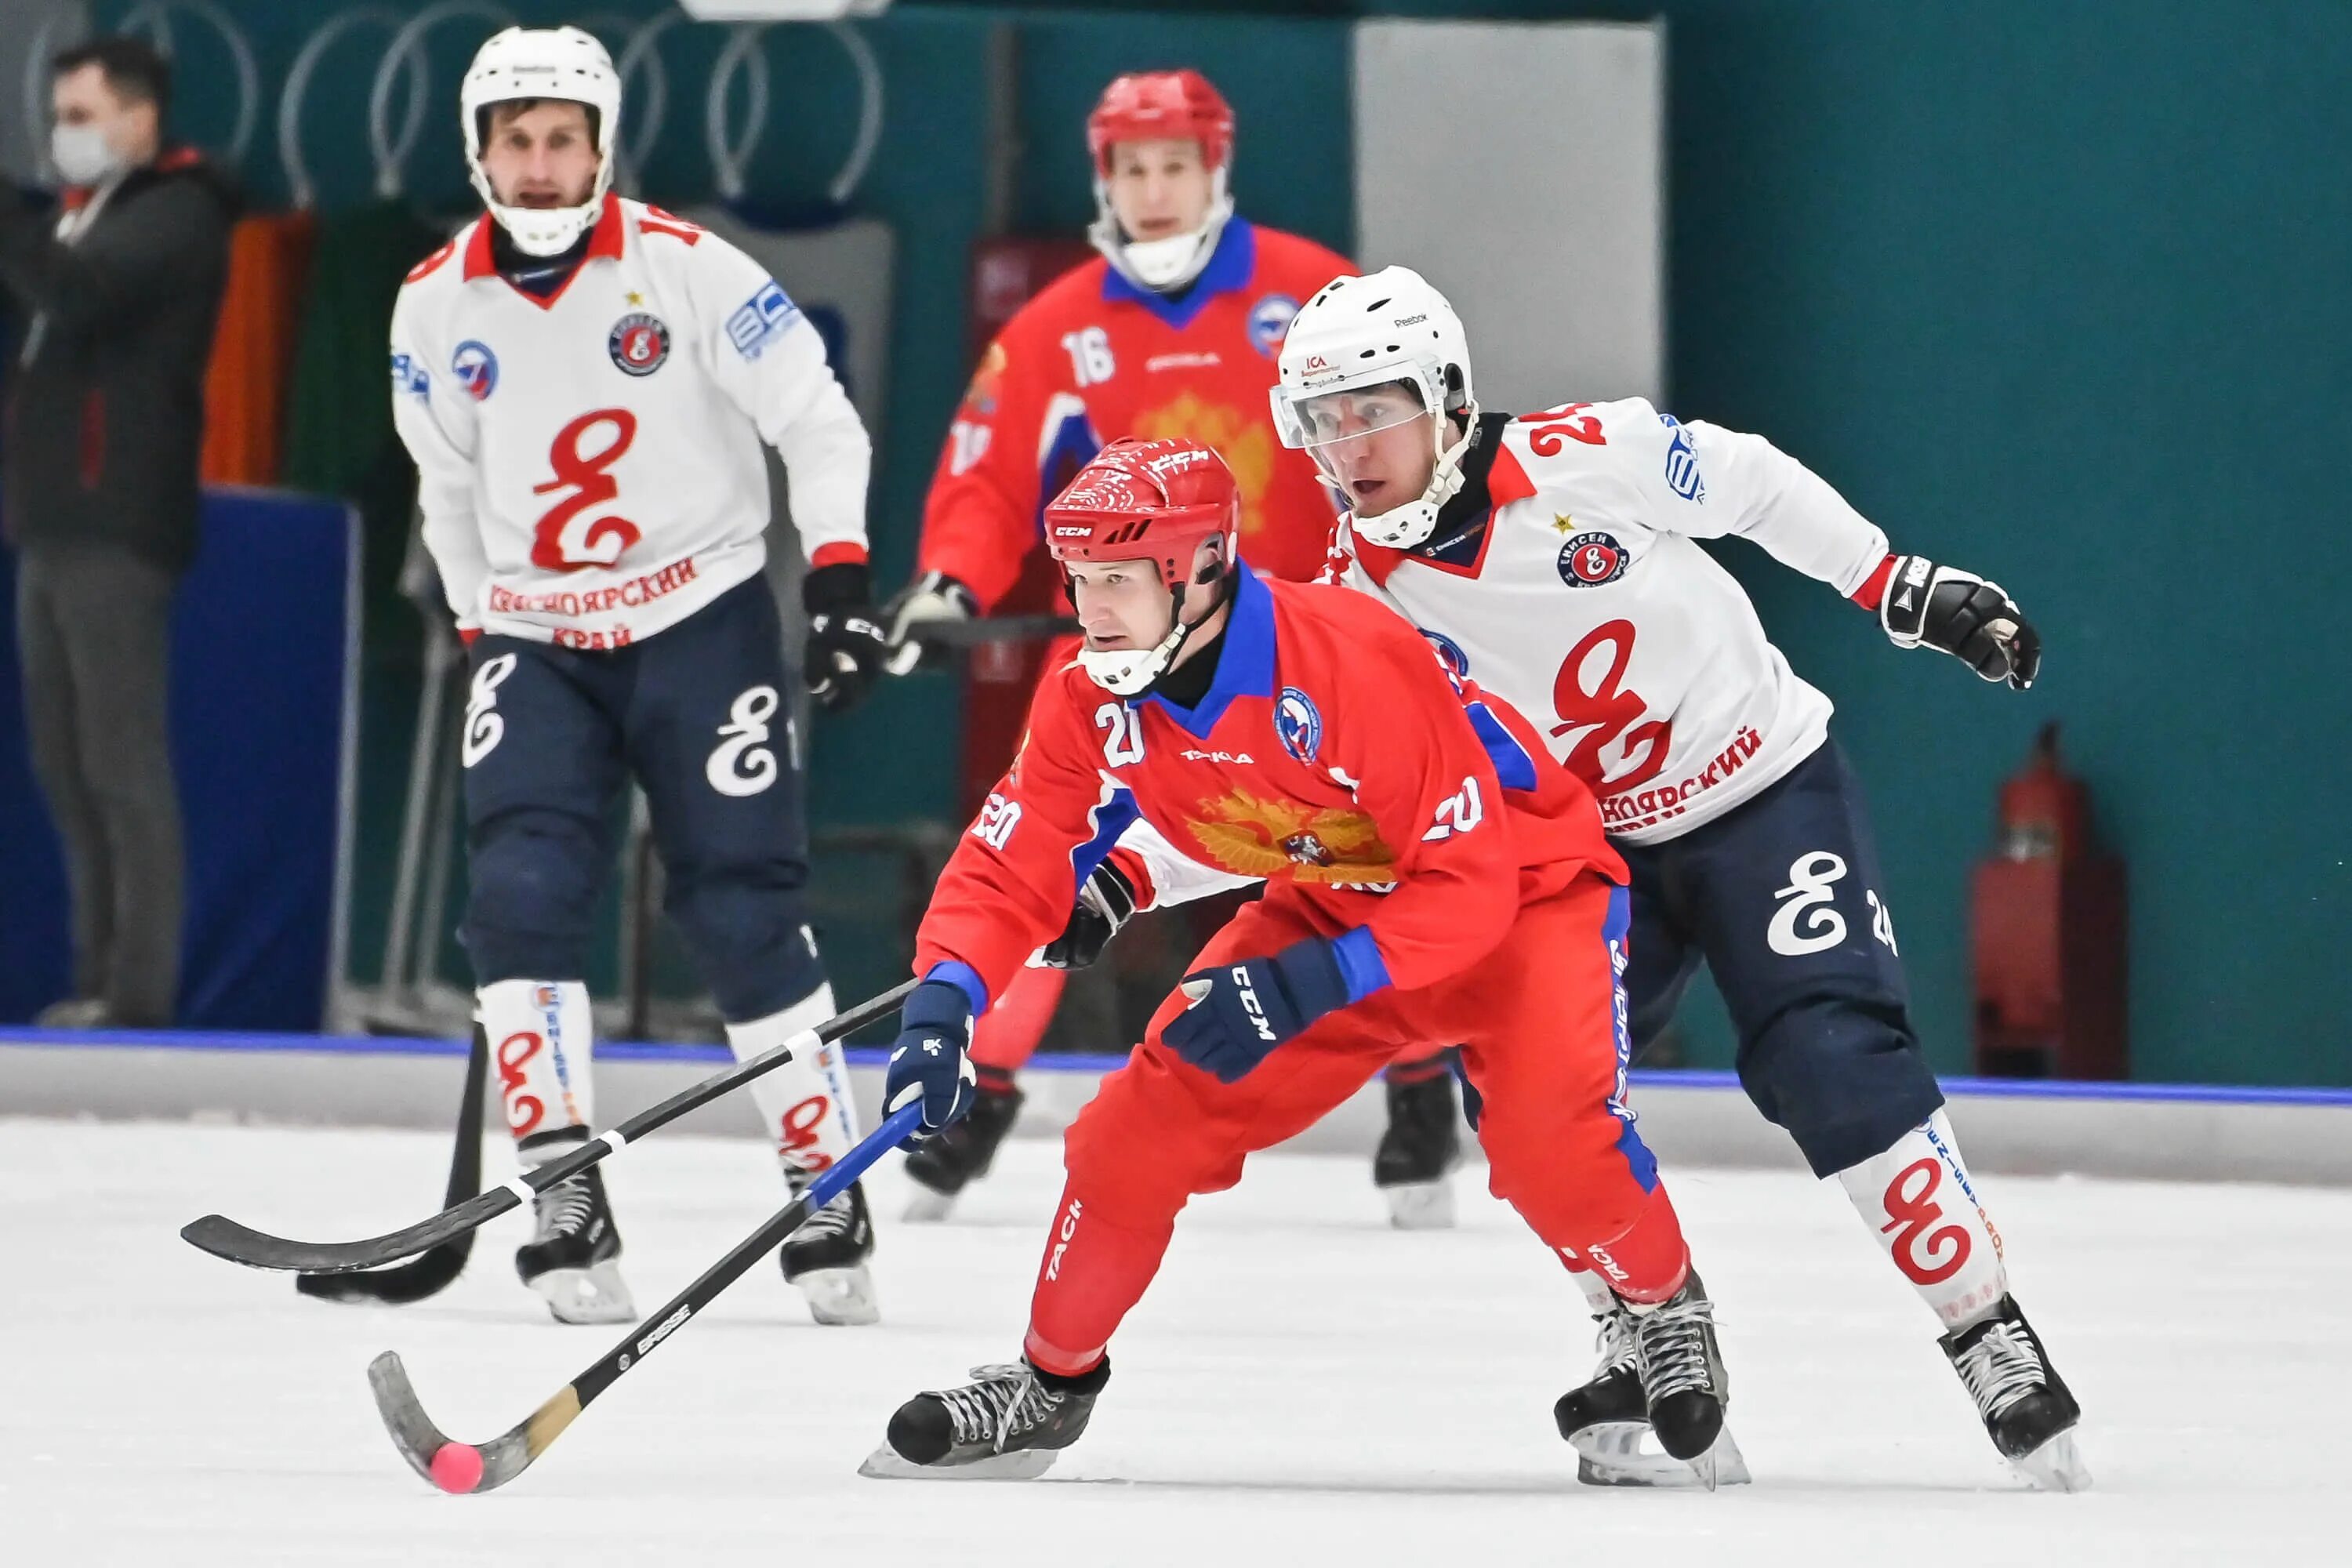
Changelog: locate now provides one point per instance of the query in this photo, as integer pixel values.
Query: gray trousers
(93, 625)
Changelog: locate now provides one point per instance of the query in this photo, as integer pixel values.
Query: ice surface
(1303, 1387)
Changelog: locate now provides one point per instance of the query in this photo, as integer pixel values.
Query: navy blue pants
(1780, 898)
(698, 715)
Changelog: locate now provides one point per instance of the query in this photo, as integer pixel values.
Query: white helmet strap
(1161, 266)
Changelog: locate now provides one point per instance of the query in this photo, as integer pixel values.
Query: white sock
(805, 1104)
(1918, 1200)
(1597, 1294)
(541, 1034)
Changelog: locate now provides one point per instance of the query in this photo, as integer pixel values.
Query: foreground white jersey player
(585, 383)
(1553, 557)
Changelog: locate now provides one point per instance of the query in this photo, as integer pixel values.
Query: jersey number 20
(566, 539)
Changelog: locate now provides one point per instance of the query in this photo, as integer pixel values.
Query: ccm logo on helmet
(1072, 533)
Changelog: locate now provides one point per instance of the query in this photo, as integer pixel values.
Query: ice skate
(573, 1259)
(824, 1259)
(2026, 1408)
(1651, 1414)
(1418, 1153)
(943, 1167)
(1006, 1425)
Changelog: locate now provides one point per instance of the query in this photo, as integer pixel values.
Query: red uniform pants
(1542, 1021)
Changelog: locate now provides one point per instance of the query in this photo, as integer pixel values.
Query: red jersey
(1095, 358)
(1333, 755)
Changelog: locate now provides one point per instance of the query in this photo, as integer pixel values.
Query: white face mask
(82, 153)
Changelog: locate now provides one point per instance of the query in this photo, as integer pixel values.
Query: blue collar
(1246, 663)
(1231, 266)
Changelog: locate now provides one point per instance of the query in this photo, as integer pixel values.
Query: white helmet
(1365, 332)
(542, 62)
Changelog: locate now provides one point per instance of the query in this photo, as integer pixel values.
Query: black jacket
(104, 423)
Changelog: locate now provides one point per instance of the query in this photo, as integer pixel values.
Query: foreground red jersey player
(1170, 332)
(1430, 873)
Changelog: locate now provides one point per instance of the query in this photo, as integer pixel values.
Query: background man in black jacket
(115, 299)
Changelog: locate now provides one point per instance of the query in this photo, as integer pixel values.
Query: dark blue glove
(931, 1060)
(1239, 1012)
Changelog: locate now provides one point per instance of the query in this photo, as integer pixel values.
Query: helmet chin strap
(546, 231)
(1403, 527)
(1131, 672)
(1163, 266)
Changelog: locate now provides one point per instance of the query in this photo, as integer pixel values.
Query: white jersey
(589, 465)
(1583, 600)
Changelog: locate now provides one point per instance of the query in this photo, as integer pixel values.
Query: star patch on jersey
(1297, 724)
(639, 343)
(1589, 559)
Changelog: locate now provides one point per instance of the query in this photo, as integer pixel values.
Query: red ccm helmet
(1152, 106)
(1156, 501)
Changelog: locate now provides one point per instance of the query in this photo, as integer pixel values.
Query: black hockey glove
(1963, 614)
(845, 640)
(1105, 902)
(933, 596)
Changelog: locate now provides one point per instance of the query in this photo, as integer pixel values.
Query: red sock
(1648, 1263)
(1006, 1037)
(1092, 1273)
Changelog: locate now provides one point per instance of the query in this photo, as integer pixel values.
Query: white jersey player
(585, 383)
(1553, 557)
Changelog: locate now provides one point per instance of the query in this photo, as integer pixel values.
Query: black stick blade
(432, 1273)
(225, 1238)
(461, 1467)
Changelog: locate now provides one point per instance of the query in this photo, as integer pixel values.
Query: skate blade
(840, 1297)
(2055, 1466)
(1025, 1464)
(928, 1206)
(1420, 1205)
(1611, 1454)
(591, 1295)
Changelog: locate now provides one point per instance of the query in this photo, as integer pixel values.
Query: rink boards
(2153, 1131)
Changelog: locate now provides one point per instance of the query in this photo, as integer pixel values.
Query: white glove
(933, 596)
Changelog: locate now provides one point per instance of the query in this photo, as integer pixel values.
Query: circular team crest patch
(1449, 653)
(1297, 724)
(1592, 559)
(1269, 321)
(639, 343)
(476, 368)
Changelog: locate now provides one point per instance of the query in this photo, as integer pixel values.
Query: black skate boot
(2026, 1407)
(1611, 1398)
(945, 1165)
(824, 1259)
(1418, 1151)
(1679, 1400)
(573, 1260)
(1007, 1424)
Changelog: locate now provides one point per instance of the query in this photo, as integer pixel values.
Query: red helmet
(1143, 106)
(1153, 501)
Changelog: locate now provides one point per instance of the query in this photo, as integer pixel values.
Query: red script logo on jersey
(556, 545)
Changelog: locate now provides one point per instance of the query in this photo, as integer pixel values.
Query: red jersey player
(1430, 873)
(1173, 332)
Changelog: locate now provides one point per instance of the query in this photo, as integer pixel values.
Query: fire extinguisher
(2049, 931)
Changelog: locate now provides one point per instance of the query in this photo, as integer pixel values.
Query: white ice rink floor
(1303, 1387)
